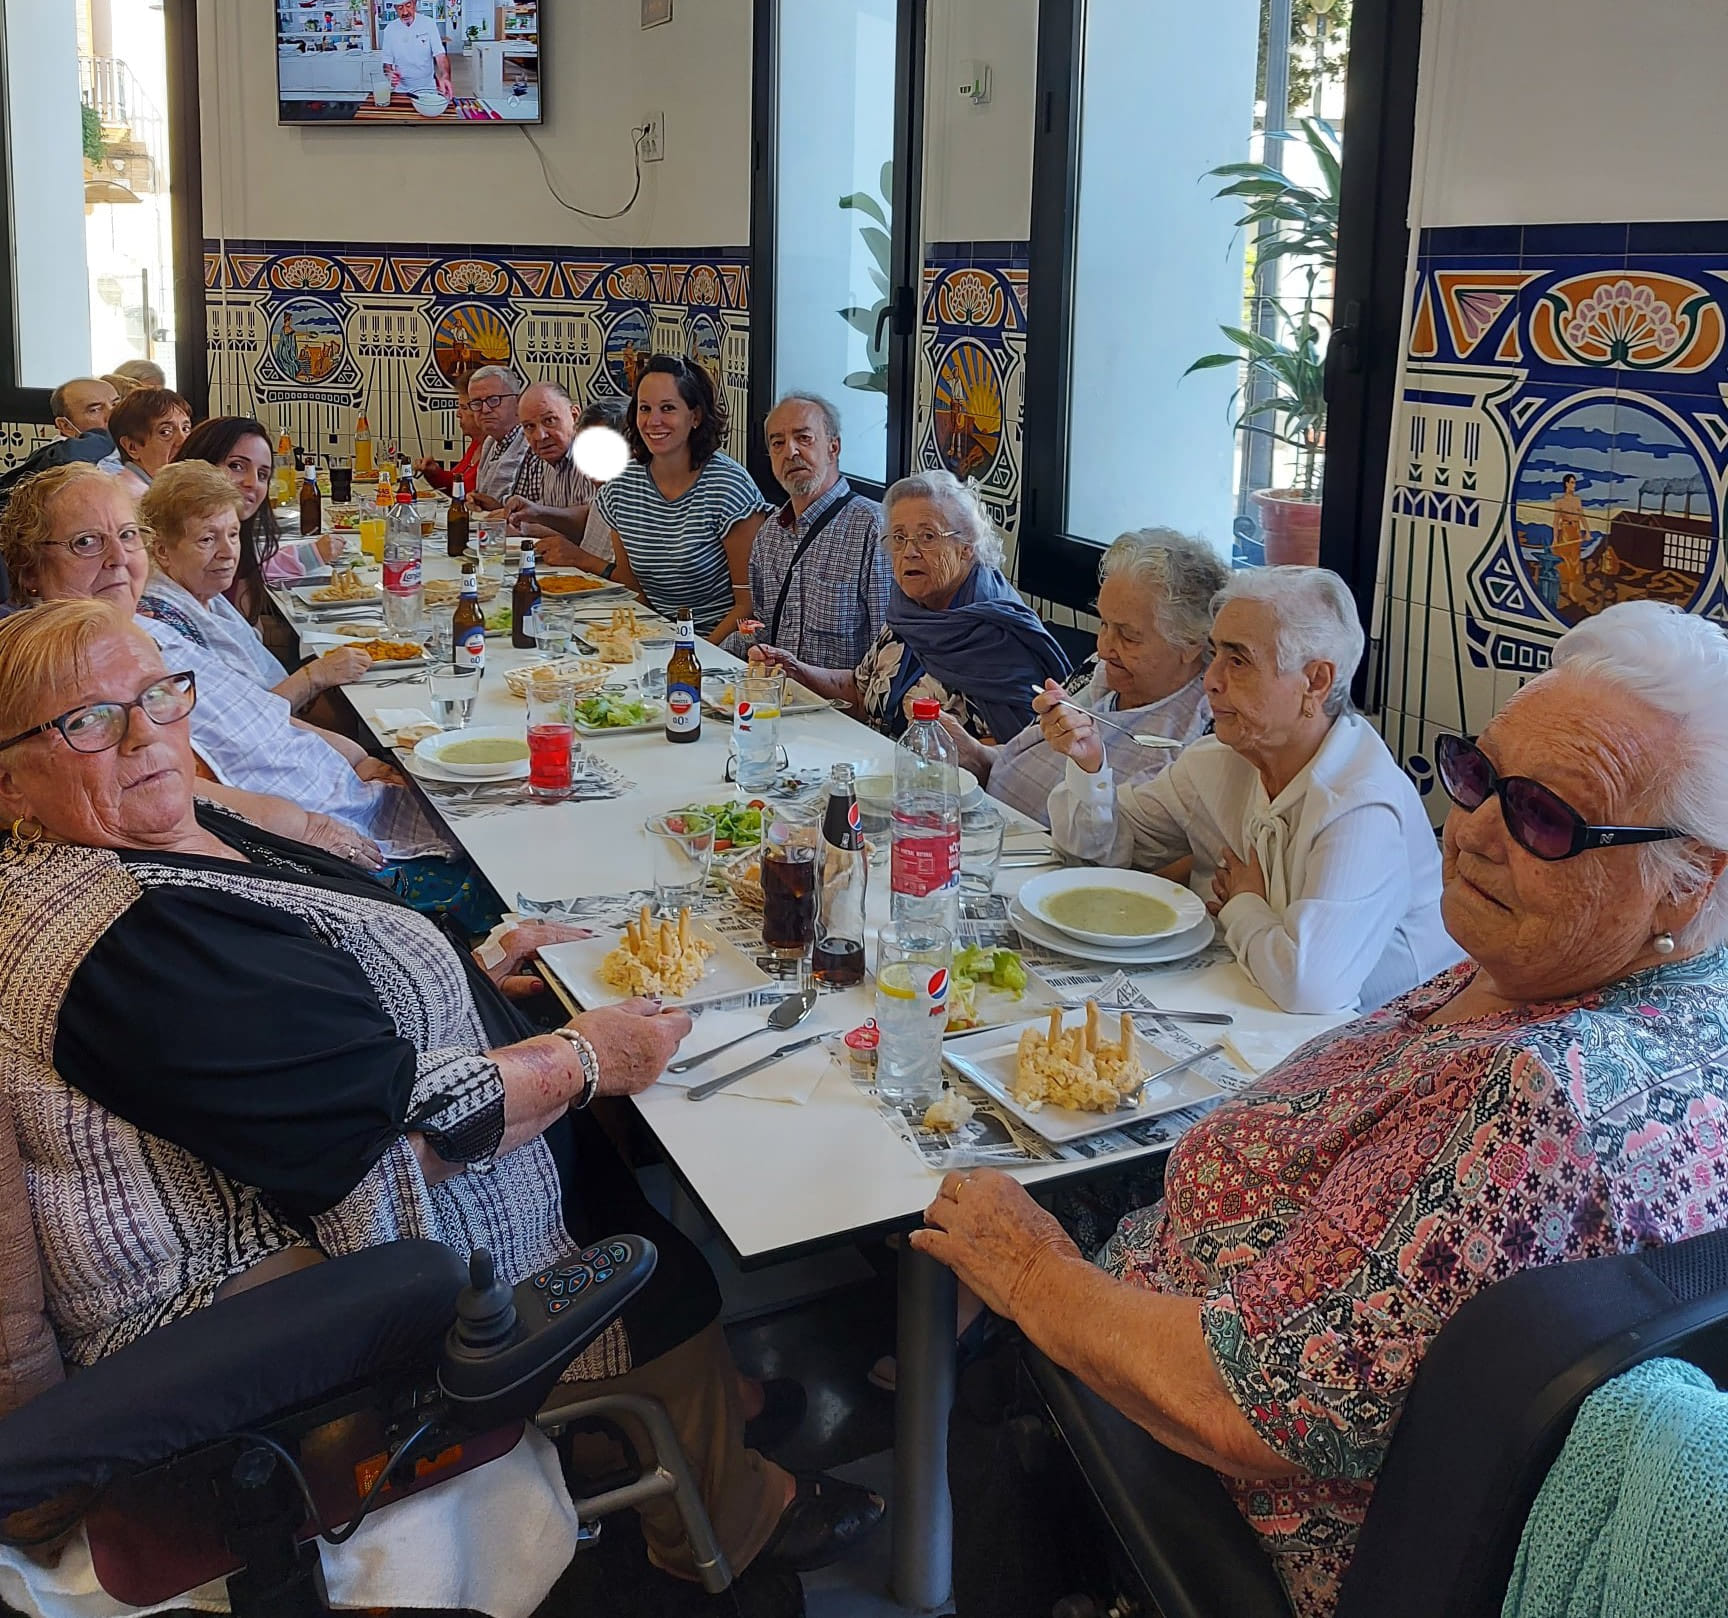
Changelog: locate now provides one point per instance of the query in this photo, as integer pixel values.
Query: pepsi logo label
(853, 818)
(939, 985)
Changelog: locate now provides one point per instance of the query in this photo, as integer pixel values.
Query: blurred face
(248, 466)
(806, 460)
(96, 551)
(1255, 709)
(1548, 928)
(493, 404)
(662, 417)
(405, 9)
(1140, 666)
(162, 443)
(548, 423)
(465, 416)
(204, 557)
(930, 561)
(87, 408)
(129, 796)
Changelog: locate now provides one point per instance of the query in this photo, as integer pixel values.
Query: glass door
(835, 191)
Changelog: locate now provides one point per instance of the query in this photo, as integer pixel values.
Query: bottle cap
(925, 708)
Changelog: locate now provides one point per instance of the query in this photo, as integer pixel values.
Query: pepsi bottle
(838, 957)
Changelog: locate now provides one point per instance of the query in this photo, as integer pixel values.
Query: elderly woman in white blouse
(1308, 842)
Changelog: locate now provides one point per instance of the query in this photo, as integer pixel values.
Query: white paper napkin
(397, 718)
(793, 1079)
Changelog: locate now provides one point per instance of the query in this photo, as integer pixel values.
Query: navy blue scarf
(987, 644)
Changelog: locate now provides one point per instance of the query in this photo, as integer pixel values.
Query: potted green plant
(871, 322)
(1283, 388)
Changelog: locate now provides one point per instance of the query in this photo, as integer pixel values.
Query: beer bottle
(525, 603)
(684, 685)
(311, 503)
(468, 626)
(457, 533)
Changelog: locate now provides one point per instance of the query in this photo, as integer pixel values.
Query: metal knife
(701, 1092)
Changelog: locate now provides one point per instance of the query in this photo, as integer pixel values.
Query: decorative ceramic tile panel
(307, 335)
(19, 440)
(972, 370)
(1560, 444)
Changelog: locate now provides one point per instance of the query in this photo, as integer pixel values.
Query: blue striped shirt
(676, 548)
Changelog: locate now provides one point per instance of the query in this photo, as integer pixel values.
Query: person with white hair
(492, 394)
(1308, 842)
(1154, 611)
(1562, 1094)
(957, 631)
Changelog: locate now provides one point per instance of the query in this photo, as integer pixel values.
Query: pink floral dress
(1334, 1216)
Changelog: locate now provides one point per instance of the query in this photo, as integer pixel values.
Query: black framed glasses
(97, 726)
(1542, 822)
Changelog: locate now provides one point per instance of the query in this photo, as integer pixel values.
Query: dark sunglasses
(98, 726)
(1539, 819)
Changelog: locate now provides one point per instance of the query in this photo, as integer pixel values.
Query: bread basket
(586, 675)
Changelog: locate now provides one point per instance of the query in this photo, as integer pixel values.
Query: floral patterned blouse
(876, 676)
(1335, 1215)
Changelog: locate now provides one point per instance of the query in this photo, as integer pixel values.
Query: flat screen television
(409, 64)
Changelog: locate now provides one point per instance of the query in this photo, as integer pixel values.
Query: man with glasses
(492, 392)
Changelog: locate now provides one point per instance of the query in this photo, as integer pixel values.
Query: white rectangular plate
(577, 966)
(987, 1059)
(797, 699)
(373, 598)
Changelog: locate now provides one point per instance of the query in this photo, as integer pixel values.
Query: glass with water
(912, 969)
(453, 692)
(655, 652)
(756, 697)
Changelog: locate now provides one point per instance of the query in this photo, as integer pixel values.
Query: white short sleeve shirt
(412, 48)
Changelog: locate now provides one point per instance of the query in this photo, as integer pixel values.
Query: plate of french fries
(1068, 1075)
(679, 959)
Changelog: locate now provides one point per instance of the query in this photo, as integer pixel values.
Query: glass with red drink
(551, 736)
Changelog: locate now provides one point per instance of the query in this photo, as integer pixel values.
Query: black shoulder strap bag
(798, 556)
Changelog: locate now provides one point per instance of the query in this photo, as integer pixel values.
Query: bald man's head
(548, 420)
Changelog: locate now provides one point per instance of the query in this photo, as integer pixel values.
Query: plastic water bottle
(925, 877)
(404, 597)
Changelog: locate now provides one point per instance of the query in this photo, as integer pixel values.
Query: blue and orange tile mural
(1561, 444)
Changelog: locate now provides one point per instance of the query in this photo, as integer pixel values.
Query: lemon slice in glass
(895, 981)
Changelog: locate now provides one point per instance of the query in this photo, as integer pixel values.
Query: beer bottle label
(683, 708)
(471, 648)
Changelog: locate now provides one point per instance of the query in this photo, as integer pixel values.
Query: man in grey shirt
(492, 392)
(823, 601)
(552, 500)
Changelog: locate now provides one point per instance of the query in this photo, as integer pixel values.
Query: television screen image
(407, 63)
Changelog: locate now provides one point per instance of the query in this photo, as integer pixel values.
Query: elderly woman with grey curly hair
(957, 631)
(1308, 842)
(1154, 610)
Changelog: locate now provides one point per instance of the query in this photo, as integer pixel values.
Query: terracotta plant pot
(1290, 527)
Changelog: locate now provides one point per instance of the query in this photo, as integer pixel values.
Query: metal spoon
(1169, 743)
(788, 1014)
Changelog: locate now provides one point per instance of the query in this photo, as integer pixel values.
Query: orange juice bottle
(373, 522)
(362, 447)
(283, 483)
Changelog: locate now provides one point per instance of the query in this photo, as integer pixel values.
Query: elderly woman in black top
(394, 1094)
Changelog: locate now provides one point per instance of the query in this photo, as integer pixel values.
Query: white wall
(1571, 112)
(50, 281)
(603, 73)
(978, 160)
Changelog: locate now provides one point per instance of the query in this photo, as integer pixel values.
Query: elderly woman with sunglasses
(957, 632)
(1308, 842)
(1562, 1093)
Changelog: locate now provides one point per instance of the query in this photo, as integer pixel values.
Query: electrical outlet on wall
(654, 137)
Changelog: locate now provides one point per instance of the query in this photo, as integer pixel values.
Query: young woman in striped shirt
(684, 514)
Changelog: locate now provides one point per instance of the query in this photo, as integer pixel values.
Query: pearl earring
(1663, 943)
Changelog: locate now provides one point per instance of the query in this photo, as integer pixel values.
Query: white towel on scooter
(493, 1540)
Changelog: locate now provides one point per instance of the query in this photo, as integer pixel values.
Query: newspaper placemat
(465, 800)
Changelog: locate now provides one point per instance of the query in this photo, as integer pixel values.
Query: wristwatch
(590, 1064)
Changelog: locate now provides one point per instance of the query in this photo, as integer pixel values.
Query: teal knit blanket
(1632, 1521)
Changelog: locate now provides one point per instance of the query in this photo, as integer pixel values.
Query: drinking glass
(557, 624)
(551, 736)
(654, 652)
(453, 692)
(912, 967)
(342, 484)
(372, 538)
(683, 846)
(981, 832)
(789, 884)
(757, 693)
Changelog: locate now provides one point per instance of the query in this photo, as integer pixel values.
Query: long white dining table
(779, 1180)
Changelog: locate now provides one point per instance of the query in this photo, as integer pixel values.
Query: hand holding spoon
(1143, 739)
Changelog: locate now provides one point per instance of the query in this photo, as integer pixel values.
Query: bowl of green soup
(485, 752)
(1112, 908)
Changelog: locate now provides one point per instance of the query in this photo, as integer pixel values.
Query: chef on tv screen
(408, 62)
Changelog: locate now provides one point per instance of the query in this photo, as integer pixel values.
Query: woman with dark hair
(684, 514)
(148, 427)
(240, 447)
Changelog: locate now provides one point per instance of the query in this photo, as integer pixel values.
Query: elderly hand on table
(991, 1234)
(520, 945)
(634, 1041)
